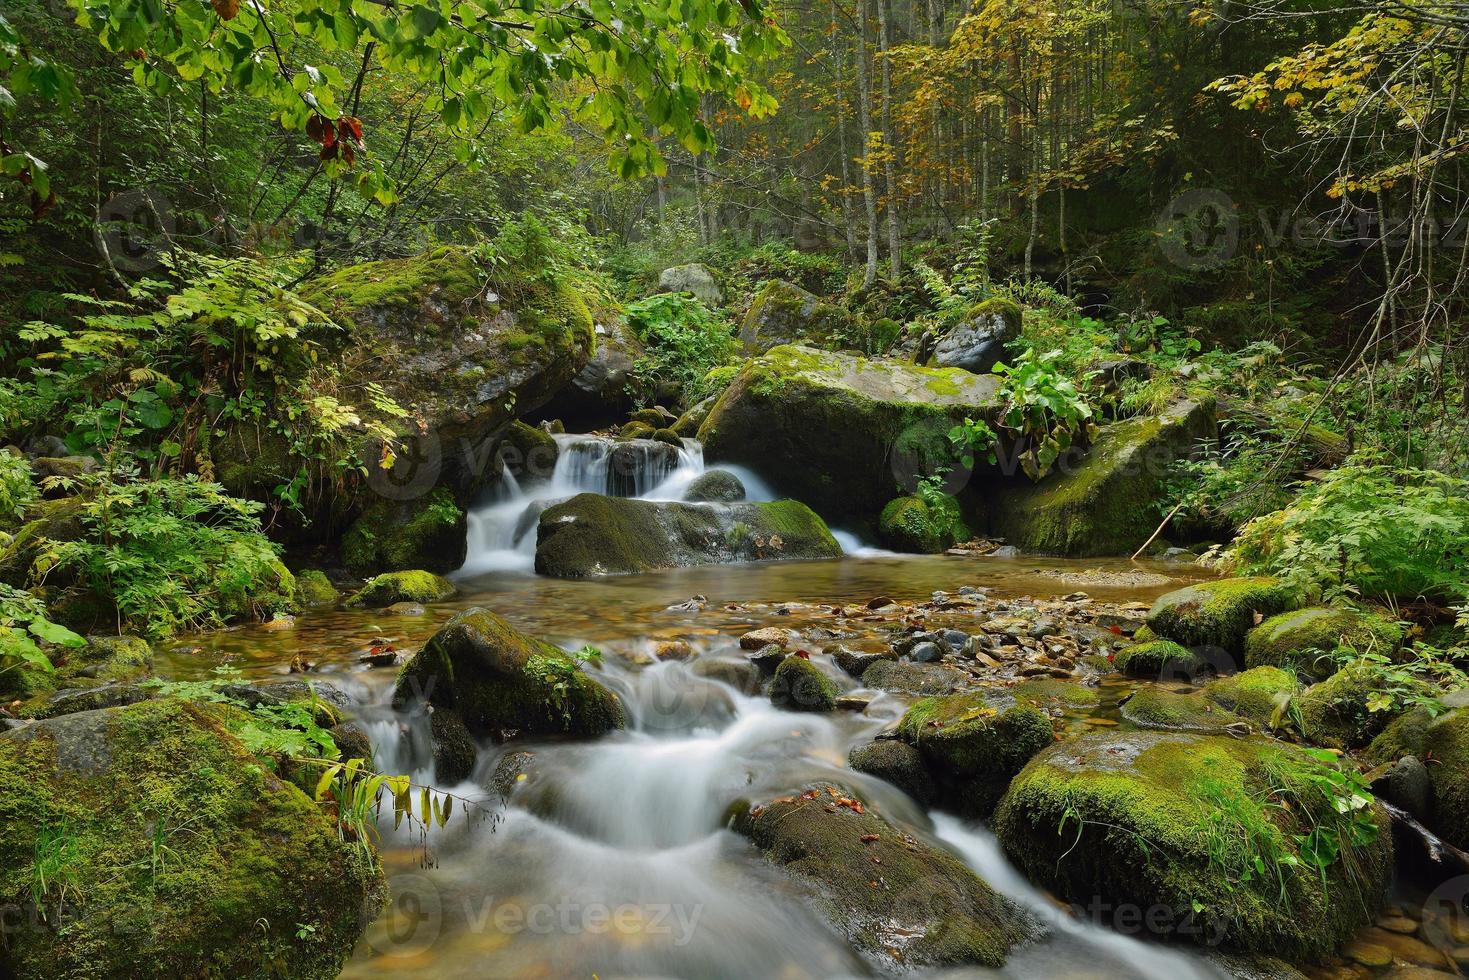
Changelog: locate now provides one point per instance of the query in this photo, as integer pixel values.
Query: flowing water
(611, 858)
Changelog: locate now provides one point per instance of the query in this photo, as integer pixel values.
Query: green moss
(1219, 613)
(172, 850)
(1174, 822)
(926, 909)
(1254, 694)
(498, 679)
(782, 313)
(1446, 743)
(1304, 639)
(909, 524)
(1157, 659)
(315, 589)
(273, 593)
(406, 586)
(1048, 690)
(1339, 713)
(592, 534)
(1105, 504)
(1144, 634)
(799, 685)
(1405, 735)
(973, 746)
(427, 533)
(1154, 707)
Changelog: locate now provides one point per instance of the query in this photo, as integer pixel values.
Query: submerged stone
(901, 902)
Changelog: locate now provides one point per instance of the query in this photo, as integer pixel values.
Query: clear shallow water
(612, 858)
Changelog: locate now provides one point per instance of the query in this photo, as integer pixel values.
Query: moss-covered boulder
(101, 662)
(591, 534)
(842, 418)
(45, 520)
(975, 339)
(428, 532)
(799, 685)
(499, 681)
(1159, 660)
(911, 525)
(145, 841)
(1354, 705)
(413, 585)
(1446, 743)
(1105, 502)
(895, 762)
(1304, 638)
(975, 743)
(1052, 692)
(903, 903)
(463, 346)
(715, 487)
(1154, 707)
(1219, 613)
(783, 313)
(314, 589)
(1180, 827)
(1255, 694)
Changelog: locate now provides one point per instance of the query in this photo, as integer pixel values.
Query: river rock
(783, 313)
(1219, 614)
(900, 901)
(414, 585)
(1341, 712)
(843, 418)
(1257, 694)
(1154, 707)
(975, 341)
(1131, 821)
(1304, 638)
(1101, 503)
(799, 685)
(251, 863)
(499, 681)
(427, 532)
(974, 744)
(911, 678)
(898, 763)
(591, 534)
(715, 486)
(598, 395)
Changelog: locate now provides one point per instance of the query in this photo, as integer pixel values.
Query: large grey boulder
(976, 341)
(692, 278)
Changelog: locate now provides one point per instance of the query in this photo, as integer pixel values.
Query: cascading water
(502, 529)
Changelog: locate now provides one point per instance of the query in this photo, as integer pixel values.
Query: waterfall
(502, 528)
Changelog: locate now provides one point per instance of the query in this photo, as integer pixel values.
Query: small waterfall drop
(502, 528)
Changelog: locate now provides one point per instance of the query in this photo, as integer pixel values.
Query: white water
(613, 858)
(502, 529)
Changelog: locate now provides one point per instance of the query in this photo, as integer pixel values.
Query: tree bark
(890, 144)
(864, 116)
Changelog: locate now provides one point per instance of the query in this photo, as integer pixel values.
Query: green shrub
(17, 489)
(1044, 412)
(683, 341)
(171, 554)
(1378, 532)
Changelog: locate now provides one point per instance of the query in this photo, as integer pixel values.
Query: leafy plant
(1374, 531)
(1043, 413)
(17, 489)
(972, 441)
(168, 554)
(24, 627)
(683, 341)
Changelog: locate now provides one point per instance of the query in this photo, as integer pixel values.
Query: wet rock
(428, 532)
(673, 650)
(499, 681)
(409, 586)
(742, 676)
(975, 743)
(251, 862)
(767, 636)
(1367, 954)
(404, 609)
(314, 589)
(799, 685)
(856, 662)
(926, 652)
(592, 534)
(898, 763)
(1153, 707)
(1257, 694)
(853, 702)
(1341, 712)
(92, 699)
(1405, 784)
(926, 909)
(909, 678)
(715, 486)
(1125, 819)
(1220, 613)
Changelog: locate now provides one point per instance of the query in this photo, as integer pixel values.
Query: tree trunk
(864, 116)
(890, 144)
(848, 221)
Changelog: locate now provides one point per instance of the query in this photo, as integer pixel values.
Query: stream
(611, 858)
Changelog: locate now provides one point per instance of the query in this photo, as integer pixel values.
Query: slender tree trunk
(864, 115)
(890, 143)
(838, 56)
